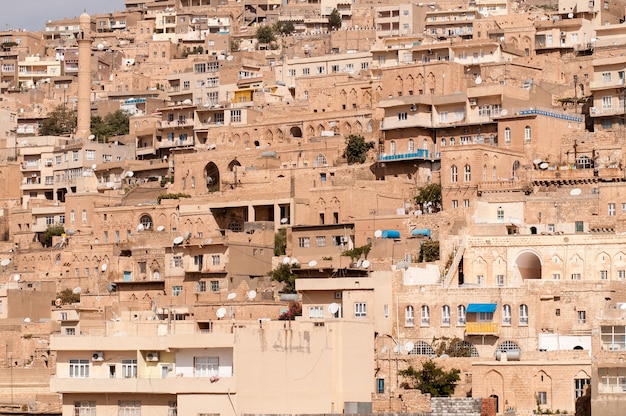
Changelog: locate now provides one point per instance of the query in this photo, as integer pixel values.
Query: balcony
(31, 165)
(176, 123)
(602, 85)
(481, 328)
(420, 154)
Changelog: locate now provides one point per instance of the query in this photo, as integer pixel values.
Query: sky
(33, 14)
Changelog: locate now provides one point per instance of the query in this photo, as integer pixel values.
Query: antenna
(5, 262)
(358, 263)
(17, 277)
(365, 264)
(220, 313)
(378, 233)
(140, 227)
(286, 260)
(252, 294)
(111, 287)
(333, 308)
(408, 346)
(187, 235)
(294, 261)
(93, 167)
(91, 137)
(478, 80)
(178, 240)
(161, 228)
(130, 174)
(284, 220)
(231, 296)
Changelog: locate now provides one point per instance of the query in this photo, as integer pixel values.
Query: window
(306, 71)
(202, 286)
(177, 261)
(177, 290)
(84, 216)
(216, 259)
(580, 385)
(604, 274)
(523, 314)
(506, 314)
(127, 408)
(542, 398)
(527, 134)
(49, 220)
(320, 70)
(206, 366)
(578, 225)
(235, 116)
(606, 123)
(72, 217)
(500, 214)
(467, 173)
(445, 315)
(146, 221)
(380, 385)
(292, 72)
(79, 369)
(70, 331)
(460, 312)
(453, 174)
(500, 280)
(582, 317)
(556, 276)
(425, 315)
(320, 241)
(89, 155)
(466, 203)
(455, 203)
(84, 408)
(507, 136)
(409, 316)
(576, 276)
(606, 77)
(621, 274)
(402, 116)
(607, 103)
(480, 280)
(360, 310)
(215, 286)
(316, 312)
(611, 209)
(304, 242)
(129, 368)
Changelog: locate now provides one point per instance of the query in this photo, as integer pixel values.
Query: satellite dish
(58, 302)
(333, 308)
(294, 261)
(93, 167)
(231, 296)
(252, 294)
(504, 112)
(570, 15)
(396, 349)
(17, 277)
(358, 263)
(178, 240)
(27, 320)
(543, 165)
(100, 47)
(187, 235)
(5, 262)
(378, 233)
(104, 267)
(286, 260)
(408, 346)
(187, 101)
(69, 231)
(140, 227)
(111, 287)
(575, 192)
(312, 263)
(130, 174)
(537, 161)
(478, 80)
(622, 306)
(161, 228)
(91, 137)
(77, 290)
(365, 264)
(284, 220)
(221, 312)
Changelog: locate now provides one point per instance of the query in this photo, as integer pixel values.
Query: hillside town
(262, 207)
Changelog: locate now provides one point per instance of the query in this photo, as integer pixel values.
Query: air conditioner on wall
(473, 101)
(97, 356)
(152, 356)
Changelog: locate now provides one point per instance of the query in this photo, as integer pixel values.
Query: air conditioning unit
(344, 239)
(473, 101)
(338, 295)
(563, 34)
(97, 356)
(594, 110)
(152, 356)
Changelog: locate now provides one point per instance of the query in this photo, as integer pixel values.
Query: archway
(212, 175)
(296, 132)
(529, 265)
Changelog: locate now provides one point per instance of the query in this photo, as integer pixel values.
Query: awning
(481, 307)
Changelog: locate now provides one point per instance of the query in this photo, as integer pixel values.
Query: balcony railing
(420, 154)
(480, 328)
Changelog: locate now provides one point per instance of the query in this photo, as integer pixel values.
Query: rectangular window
(360, 310)
(128, 408)
(621, 274)
(499, 280)
(542, 398)
(580, 385)
(216, 259)
(316, 312)
(380, 385)
(292, 72)
(79, 369)
(235, 116)
(50, 220)
(582, 317)
(455, 204)
(604, 274)
(206, 366)
(320, 241)
(70, 331)
(402, 116)
(215, 286)
(89, 155)
(556, 276)
(576, 276)
(611, 209)
(306, 71)
(304, 242)
(466, 203)
(85, 408)
(201, 286)
(484, 316)
(480, 280)
(578, 226)
(177, 290)
(129, 368)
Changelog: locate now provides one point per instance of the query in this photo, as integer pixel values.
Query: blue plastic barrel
(391, 234)
(421, 231)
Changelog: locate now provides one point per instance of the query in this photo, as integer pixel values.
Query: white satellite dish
(333, 308)
(5, 262)
(504, 112)
(294, 261)
(93, 167)
(378, 233)
(284, 220)
(358, 263)
(100, 46)
(570, 15)
(478, 80)
(252, 294)
(543, 165)
(312, 263)
(537, 161)
(17, 277)
(575, 192)
(161, 228)
(286, 260)
(408, 346)
(140, 227)
(231, 296)
(104, 267)
(27, 320)
(365, 264)
(91, 137)
(397, 349)
(77, 290)
(178, 240)
(130, 174)
(221, 312)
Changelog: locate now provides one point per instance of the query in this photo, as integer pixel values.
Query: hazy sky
(33, 14)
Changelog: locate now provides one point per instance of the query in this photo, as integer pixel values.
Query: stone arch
(353, 97)
(398, 85)
(495, 387)
(232, 164)
(320, 129)
(246, 137)
(310, 131)
(378, 93)
(212, 177)
(367, 97)
(619, 260)
(576, 266)
(358, 127)
(431, 81)
(295, 132)
(603, 262)
(280, 135)
(410, 85)
(269, 136)
(370, 126)
(343, 98)
(419, 82)
(528, 264)
(173, 221)
(235, 138)
(162, 221)
(480, 267)
(347, 128)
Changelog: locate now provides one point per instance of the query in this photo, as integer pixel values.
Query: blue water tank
(391, 234)
(421, 231)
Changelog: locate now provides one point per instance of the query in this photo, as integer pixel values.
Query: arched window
(515, 169)
(467, 173)
(425, 315)
(507, 346)
(453, 173)
(409, 316)
(523, 314)
(493, 173)
(184, 183)
(451, 141)
(484, 172)
(411, 146)
(527, 134)
(445, 315)
(422, 348)
(392, 147)
(460, 312)
(320, 160)
(443, 142)
(425, 144)
(506, 314)
(507, 136)
(465, 349)
(146, 222)
(584, 162)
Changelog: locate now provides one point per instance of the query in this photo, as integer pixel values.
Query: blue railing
(421, 153)
(551, 114)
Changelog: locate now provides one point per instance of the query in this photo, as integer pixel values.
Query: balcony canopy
(481, 307)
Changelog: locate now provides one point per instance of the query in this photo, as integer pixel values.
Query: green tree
(356, 149)
(429, 251)
(265, 34)
(283, 274)
(280, 242)
(429, 198)
(285, 28)
(356, 252)
(68, 296)
(113, 124)
(431, 379)
(334, 20)
(60, 122)
(51, 231)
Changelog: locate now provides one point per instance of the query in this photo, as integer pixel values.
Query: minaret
(83, 125)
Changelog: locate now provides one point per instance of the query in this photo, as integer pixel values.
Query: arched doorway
(212, 175)
(529, 265)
